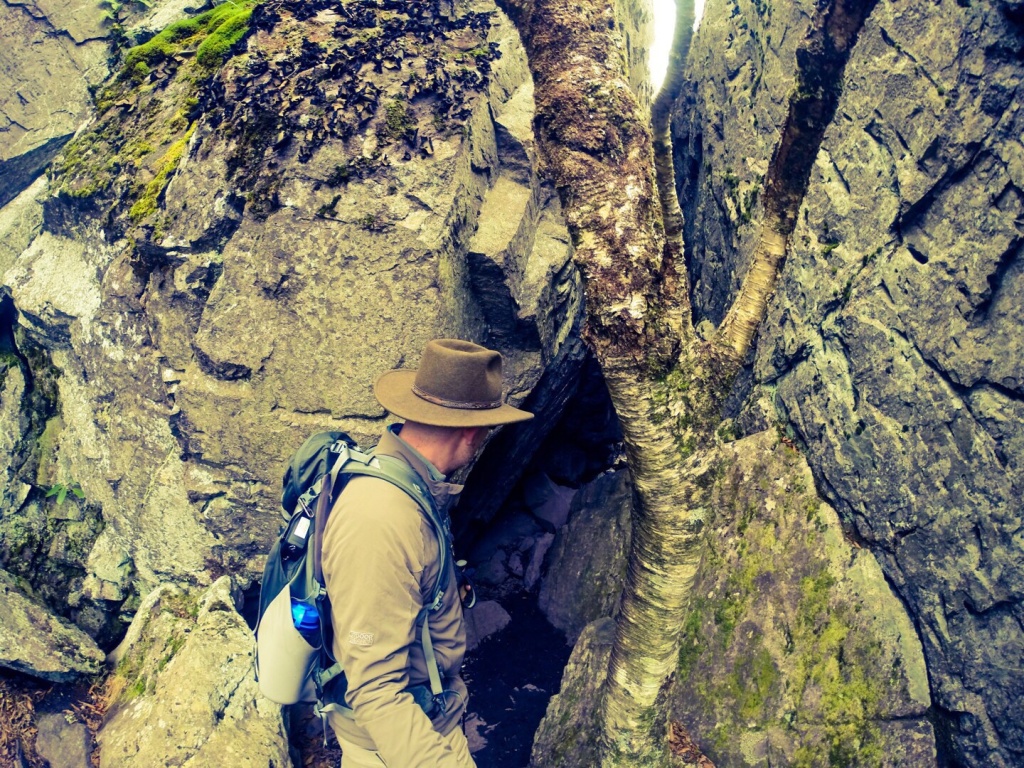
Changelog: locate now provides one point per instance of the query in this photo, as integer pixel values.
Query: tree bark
(666, 385)
(678, 294)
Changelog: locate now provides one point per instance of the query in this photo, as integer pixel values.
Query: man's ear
(474, 435)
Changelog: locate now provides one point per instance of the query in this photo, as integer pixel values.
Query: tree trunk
(666, 385)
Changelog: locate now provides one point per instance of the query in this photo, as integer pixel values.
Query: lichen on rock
(37, 643)
(183, 689)
(795, 649)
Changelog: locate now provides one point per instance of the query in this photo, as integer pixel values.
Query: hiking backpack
(294, 660)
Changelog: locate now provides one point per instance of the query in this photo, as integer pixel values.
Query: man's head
(447, 448)
(451, 401)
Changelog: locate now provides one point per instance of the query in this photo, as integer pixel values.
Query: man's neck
(433, 454)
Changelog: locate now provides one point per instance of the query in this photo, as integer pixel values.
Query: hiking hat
(458, 384)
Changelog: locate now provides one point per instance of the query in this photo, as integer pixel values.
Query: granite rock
(795, 650)
(586, 566)
(188, 695)
(202, 334)
(891, 350)
(37, 643)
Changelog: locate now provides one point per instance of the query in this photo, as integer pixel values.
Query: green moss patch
(148, 110)
(147, 203)
(779, 652)
(159, 642)
(210, 36)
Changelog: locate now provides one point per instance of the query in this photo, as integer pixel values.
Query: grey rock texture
(586, 566)
(63, 742)
(20, 221)
(796, 651)
(203, 328)
(567, 735)
(742, 68)
(52, 52)
(13, 426)
(188, 695)
(37, 643)
(636, 29)
(49, 54)
(893, 347)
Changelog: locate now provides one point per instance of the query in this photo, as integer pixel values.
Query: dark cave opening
(514, 671)
(8, 314)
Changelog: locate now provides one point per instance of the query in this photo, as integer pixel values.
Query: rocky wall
(53, 53)
(229, 257)
(795, 651)
(182, 691)
(742, 70)
(892, 347)
(50, 52)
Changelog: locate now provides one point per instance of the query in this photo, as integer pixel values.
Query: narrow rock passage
(511, 677)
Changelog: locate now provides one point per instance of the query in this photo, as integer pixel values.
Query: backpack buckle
(437, 601)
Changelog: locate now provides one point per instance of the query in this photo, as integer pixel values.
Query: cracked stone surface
(190, 697)
(50, 52)
(893, 346)
(35, 642)
(276, 280)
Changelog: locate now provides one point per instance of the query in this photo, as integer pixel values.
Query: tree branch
(597, 145)
(821, 61)
(676, 287)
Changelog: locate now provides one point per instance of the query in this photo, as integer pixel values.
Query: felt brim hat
(458, 384)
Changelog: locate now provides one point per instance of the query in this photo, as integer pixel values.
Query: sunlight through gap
(664, 23)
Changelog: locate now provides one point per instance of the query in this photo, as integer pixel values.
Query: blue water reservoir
(305, 618)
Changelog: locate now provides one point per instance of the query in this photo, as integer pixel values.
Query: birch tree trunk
(618, 195)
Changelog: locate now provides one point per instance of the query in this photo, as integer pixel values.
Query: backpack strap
(400, 474)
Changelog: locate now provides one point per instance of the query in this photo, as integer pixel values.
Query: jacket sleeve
(374, 554)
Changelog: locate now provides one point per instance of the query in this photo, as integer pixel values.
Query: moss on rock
(147, 203)
(129, 155)
(785, 657)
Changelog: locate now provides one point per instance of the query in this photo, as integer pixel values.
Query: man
(380, 560)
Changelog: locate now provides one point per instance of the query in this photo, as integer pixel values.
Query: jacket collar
(391, 444)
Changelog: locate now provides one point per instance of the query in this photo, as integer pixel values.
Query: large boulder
(795, 650)
(586, 567)
(37, 643)
(228, 262)
(184, 688)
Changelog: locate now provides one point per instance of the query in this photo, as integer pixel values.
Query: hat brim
(393, 390)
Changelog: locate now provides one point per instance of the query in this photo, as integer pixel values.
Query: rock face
(795, 652)
(63, 744)
(229, 261)
(51, 53)
(566, 735)
(893, 346)
(188, 695)
(586, 565)
(35, 642)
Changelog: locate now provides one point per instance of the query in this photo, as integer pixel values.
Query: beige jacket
(380, 560)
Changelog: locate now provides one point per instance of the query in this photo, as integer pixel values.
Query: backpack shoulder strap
(401, 475)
